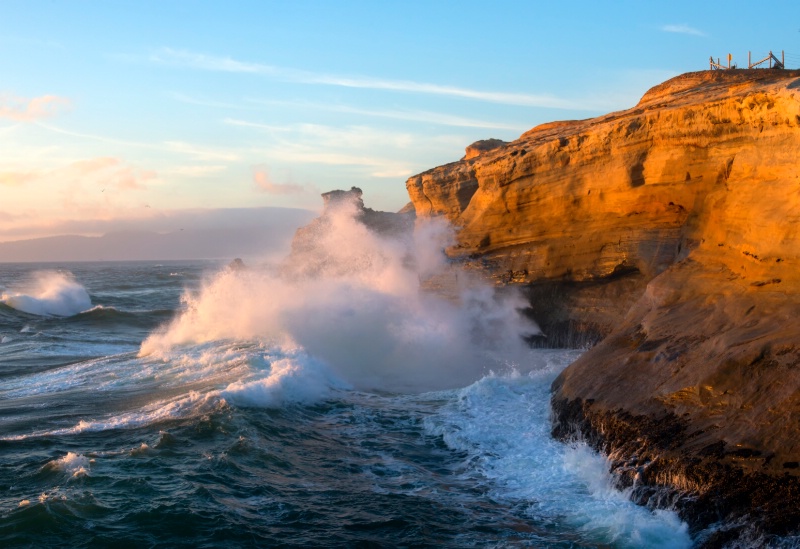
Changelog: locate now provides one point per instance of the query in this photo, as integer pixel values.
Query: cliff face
(686, 209)
(582, 199)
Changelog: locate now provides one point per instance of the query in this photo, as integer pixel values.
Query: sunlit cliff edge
(671, 233)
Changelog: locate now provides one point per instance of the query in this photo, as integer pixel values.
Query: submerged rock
(671, 231)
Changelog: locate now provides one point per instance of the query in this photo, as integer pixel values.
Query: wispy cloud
(333, 137)
(411, 116)
(17, 179)
(264, 183)
(103, 173)
(368, 150)
(30, 110)
(195, 171)
(198, 152)
(168, 56)
(93, 137)
(183, 98)
(683, 29)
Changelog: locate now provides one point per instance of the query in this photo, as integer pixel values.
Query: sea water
(189, 404)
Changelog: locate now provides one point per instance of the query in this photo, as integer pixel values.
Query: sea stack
(670, 233)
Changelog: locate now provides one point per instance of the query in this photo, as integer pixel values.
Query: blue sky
(127, 111)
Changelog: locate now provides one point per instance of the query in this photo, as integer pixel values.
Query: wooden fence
(774, 62)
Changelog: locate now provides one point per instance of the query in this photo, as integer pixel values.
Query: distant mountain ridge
(239, 233)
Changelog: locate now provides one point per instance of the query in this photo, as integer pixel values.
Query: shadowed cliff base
(722, 504)
(670, 233)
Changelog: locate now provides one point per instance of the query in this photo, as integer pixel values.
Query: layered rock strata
(672, 231)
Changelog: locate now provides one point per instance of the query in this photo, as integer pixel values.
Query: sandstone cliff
(672, 229)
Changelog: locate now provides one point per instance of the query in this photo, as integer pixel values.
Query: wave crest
(355, 301)
(49, 293)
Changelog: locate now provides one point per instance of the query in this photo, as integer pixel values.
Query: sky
(124, 113)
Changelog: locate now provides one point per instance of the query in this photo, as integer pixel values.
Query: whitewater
(325, 400)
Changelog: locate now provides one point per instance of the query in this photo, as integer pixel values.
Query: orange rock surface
(696, 191)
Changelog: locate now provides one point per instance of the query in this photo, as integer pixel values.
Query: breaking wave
(49, 293)
(352, 299)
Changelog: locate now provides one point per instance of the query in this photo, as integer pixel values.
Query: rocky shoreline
(666, 237)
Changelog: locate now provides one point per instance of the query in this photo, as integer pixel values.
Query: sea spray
(49, 293)
(239, 440)
(352, 299)
(501, 425)
(293, 379)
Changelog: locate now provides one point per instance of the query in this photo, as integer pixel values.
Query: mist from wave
(354, 303)
(48, 293)
(328, 401)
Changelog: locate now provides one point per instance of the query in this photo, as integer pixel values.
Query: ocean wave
(291, 380)
(108, 315)
(185, 407)
(75, 465)
(501, 424)
(49, 293)
(355, 303)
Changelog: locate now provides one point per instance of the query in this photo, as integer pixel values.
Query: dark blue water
(187, 405)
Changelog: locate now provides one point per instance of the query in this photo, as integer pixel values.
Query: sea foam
(355, 304)
(501, 422)
(49, 293)
(75, 465)
(296, 379)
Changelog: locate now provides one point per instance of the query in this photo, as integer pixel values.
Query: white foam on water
(353, 302)
(6, 339)
(502, 423)
(49, 293)
(293, 379)
(191, 405)
(213, 362)
(224, 373)
(187, 406)
(74, 465)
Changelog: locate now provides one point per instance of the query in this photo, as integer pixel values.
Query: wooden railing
(774, 62)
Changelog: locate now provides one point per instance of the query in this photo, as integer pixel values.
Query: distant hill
(244, 232)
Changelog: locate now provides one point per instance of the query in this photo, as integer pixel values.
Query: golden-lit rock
(482, 146)
(581, 199)
(696, 193)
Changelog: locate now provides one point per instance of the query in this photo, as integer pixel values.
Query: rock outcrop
(482, 146)
(671, 231)
(311, 251)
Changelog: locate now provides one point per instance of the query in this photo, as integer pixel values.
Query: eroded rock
(672, 230)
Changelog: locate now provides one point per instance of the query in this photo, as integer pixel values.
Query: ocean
(186, 403)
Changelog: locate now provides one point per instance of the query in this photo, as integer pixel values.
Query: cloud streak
(101, 172)
(29, 110)
(327, 145)
(265, 184)
(183, 58)
(197, 152)
(409, 116)
(683, 29)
